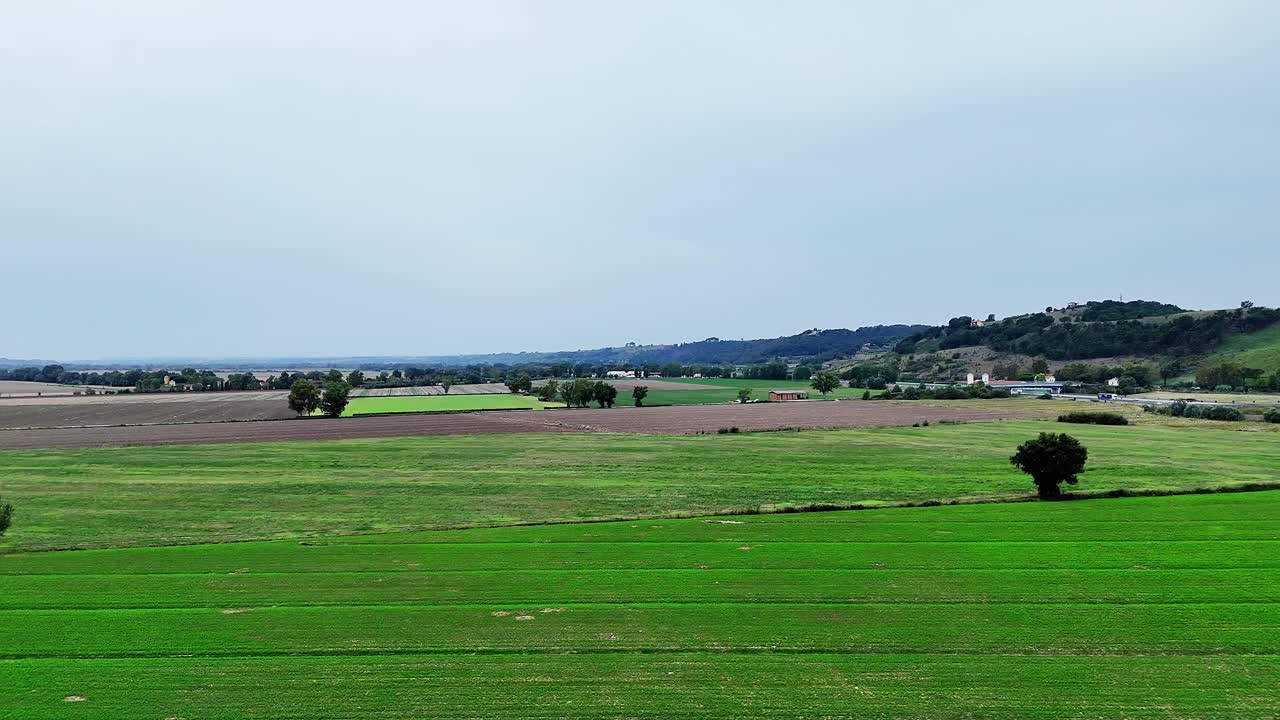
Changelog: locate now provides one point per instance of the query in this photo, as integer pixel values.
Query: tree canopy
(304, 399)
(825, 381)
(1051, 459)
(335, 398)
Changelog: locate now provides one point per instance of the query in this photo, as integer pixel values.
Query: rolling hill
(1259, 349)
(1107, 332)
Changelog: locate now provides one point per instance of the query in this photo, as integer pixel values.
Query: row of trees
(977, 391)
(139, 380)
(583, 392)
(1231, 376)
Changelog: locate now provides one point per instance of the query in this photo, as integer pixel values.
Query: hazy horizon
(246, 180)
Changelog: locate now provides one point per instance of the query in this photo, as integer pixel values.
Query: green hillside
(1256, 350)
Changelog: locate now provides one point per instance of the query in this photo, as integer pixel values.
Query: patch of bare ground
(687, 419)
(117, 410)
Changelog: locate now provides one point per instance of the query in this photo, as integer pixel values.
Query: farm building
(778, 395)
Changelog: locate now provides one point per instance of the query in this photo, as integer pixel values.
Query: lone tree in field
(604, 393)
(638, 393)
(6, 516)
(744, 394)
(335, 398)
(446, 385)
(303, 397)
(1051, 460)
(520, 384)
(824, 382)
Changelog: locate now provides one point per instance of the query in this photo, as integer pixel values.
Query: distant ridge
(810, 344)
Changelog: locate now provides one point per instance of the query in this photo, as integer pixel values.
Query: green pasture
(727, 391)
(442, 403)
(124, 496)
(1123, 608)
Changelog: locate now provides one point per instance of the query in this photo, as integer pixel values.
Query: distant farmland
(1134, 608)
(204, 493)
(442, 403)
(699, 391)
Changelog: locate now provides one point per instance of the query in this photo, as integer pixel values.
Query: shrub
(1222, 412)
(1094, 418)
(950, 393)
(1178, 408)
(1272, 415)
(6, 516)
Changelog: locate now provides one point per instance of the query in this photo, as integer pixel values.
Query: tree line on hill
(1069, 339)
(1113, 310)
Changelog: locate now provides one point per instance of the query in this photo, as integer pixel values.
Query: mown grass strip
(971, 628)
(446, 557)
(692, 685)
(633, 587)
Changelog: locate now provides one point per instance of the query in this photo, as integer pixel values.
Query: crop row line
(661, 604)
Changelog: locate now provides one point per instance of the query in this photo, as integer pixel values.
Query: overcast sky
(319, 178)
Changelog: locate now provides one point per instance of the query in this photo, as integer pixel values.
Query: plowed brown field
(662, 420)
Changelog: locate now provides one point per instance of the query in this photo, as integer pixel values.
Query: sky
(279, 178)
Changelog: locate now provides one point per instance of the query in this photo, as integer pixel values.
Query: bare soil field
(147, 398)
(185, 410)
(685, 419)
(19, 388)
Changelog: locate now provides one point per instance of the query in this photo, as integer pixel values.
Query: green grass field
(442, 403)
(1123, 608)
(1255, 350)
(188, 494)
(728, 391)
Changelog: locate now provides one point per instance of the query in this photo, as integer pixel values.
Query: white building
(620, 373)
